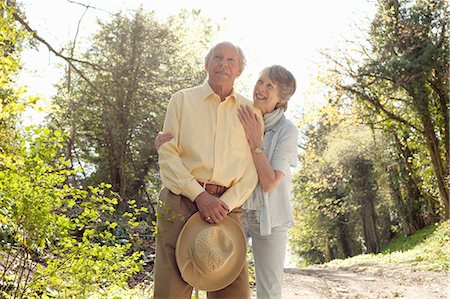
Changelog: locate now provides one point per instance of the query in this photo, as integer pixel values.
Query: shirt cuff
(280, 165)
(193, 190)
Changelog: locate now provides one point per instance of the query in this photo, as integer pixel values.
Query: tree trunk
(362, 174)
(444, 102)
(421, 105)
(367, 211)
(328, 252)
(345, 240)
(396, 193)
(413, 194)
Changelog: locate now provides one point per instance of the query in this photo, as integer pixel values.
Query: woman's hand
(252, 126)
(162, 138)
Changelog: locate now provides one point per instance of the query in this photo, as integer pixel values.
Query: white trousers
(269, 254)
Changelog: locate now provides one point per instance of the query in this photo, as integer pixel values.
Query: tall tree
(402, 78)
(342, 205)
(334, 197)
(386, 146)
(12, 38)
(49, 244)
(411, 41)
(353, 149)
(114, 112)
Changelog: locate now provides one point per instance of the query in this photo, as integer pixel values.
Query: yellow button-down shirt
(209, 145)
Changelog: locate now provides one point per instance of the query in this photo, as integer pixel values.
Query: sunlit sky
(289, 33)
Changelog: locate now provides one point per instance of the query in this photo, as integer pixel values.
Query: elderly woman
(268, 211)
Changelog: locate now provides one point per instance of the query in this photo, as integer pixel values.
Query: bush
(56, 240)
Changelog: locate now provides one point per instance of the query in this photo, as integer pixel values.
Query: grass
(135, 293)
(428, 249)
(125, 293)
(404, 243)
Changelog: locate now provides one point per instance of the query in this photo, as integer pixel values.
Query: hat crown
(210, 256)
(212, 248)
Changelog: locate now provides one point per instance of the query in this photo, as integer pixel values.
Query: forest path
(380, 281)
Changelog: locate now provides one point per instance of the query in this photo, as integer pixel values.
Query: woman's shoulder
(289, 126)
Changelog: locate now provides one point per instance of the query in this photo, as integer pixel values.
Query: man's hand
(212, 209)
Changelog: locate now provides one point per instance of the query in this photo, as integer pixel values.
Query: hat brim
(216, 280)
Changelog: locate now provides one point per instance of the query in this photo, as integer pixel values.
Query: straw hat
(210, 256)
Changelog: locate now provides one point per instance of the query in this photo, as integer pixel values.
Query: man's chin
(222, 80)
(222, 77)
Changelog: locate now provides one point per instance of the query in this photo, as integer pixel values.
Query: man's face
(224, 65)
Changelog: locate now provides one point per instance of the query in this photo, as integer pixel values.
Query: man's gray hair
(242, 60)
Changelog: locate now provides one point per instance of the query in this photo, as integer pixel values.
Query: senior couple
(224, 164)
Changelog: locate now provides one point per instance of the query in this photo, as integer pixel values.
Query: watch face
(258, 150)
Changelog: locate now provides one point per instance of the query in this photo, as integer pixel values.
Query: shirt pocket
(238, 142)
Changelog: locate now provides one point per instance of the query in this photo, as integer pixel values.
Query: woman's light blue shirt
(275, 207)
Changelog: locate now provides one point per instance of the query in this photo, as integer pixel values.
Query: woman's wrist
(254, 145)
(258, 150)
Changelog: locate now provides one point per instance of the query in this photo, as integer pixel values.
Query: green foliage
(137, 292)
(11, 39)
(405, 79)
(329, 208)
(251, 267)
(11, 102)
(55, 240)
(381, 141)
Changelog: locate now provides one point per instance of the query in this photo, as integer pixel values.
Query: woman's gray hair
(285, 81)
(242, 60)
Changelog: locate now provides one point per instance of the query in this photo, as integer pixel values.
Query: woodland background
(78, 192)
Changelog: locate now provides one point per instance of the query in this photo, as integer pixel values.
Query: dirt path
(370, 283)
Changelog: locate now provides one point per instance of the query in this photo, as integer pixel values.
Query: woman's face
(265, 94)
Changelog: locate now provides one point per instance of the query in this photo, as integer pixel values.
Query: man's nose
(223, 62)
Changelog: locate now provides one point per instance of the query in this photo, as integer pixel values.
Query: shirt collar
(208, 93)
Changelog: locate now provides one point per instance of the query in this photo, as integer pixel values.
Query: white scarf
(271, 118)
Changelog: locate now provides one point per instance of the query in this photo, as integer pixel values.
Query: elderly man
(207, 166)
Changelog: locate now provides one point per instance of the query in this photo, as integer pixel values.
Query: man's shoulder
(189, 93)
(243, 100)
(190, 90)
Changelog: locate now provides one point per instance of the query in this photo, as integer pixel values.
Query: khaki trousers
(173, 212)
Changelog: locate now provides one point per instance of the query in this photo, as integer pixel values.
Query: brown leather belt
(213, 189)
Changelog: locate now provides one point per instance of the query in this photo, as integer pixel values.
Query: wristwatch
(258, 149)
